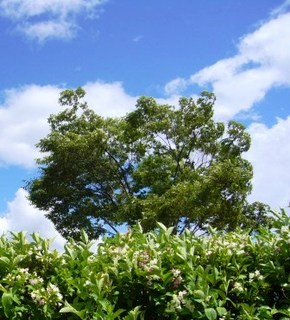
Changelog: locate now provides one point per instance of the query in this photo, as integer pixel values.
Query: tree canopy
(158, 163)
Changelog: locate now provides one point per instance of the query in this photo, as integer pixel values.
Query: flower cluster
(143, 258)
(33, 284)
(236, 244)
(284, 229)
(238, 287)
(256, 275)
(177, 300)
(145, 262)
(177, 279)
(49, 295)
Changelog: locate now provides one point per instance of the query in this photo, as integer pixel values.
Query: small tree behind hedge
(158, 163)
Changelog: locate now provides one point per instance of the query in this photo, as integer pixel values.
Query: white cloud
(31, 8)
(270, 156)
(23, 121)
(45, 30)
(109, 99)
(262, 62)
(24, 113)
(48, 18)
(174, 86)
(21, 216)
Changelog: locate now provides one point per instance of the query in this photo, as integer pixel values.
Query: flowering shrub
(154, 275)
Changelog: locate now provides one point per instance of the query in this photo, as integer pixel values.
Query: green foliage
(158, 163)
(155, 275)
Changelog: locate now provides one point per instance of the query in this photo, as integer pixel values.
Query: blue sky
(121, 49)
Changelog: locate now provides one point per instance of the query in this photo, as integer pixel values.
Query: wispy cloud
(137, 38)
(282, 8)
(175, 86)
(45, 19)
(262, 62)
(46, 30)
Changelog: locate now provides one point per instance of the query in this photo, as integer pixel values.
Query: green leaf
(84, 237)
(18, 259)
(69, 251)
(70, 309)
(134, 314)
(285, 312)
(5, 260)
(35, 236)
(199, 294)
(210, 313)
(7, 301)
(117, 313)
(162, 226)
(221, 311)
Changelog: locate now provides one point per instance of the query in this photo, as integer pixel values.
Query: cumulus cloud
(46, 19)
(175, 86)
(261, 63)
(109, 99)
(23, 121)
(21, 216)
(270, 156)
(24, 113)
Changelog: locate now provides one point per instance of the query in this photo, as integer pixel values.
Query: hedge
(155, 275)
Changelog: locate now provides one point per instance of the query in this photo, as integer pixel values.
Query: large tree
(158, 163)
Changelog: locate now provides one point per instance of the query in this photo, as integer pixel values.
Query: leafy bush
(154, 275)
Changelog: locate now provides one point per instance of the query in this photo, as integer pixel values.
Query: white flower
(33, 295)
(36, 296)
(238, 287)
(59, 296)
(255, 275)
(175, 272)
(153, 262)
(177, 299)
(284, 229)
(24, 270)
(33, 281)
(176, 302)
(52, 288)
(182, 294)
(87, 283)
